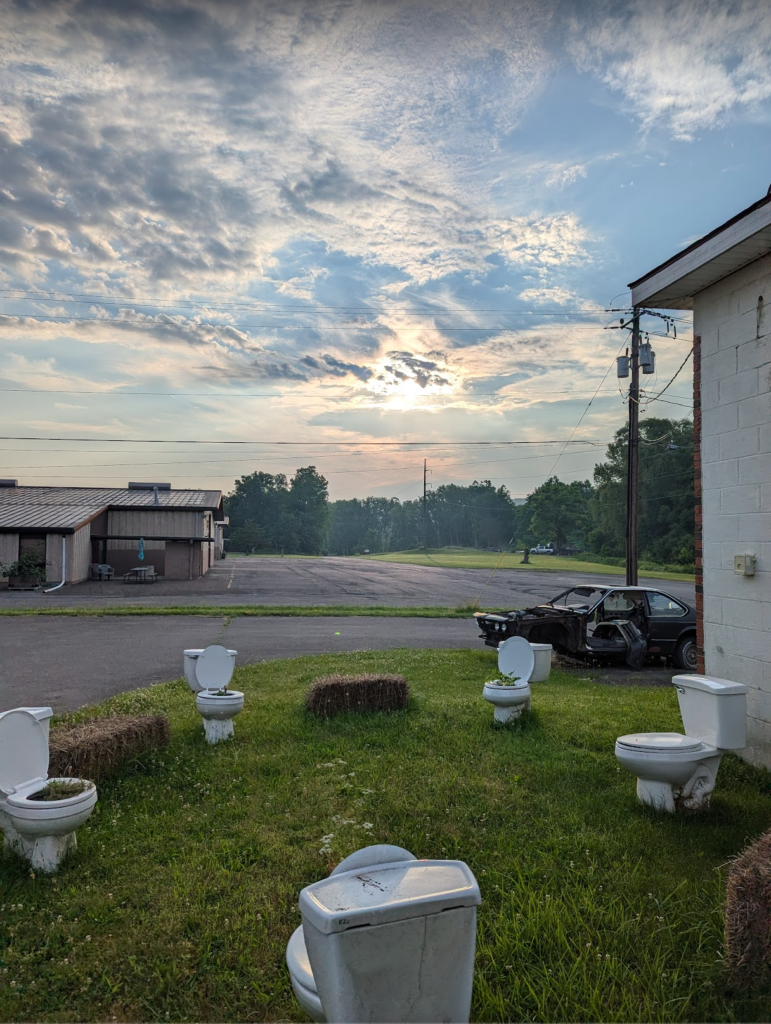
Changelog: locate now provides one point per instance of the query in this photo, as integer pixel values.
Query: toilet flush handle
(680, 689)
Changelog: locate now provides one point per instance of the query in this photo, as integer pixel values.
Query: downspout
(64, 565)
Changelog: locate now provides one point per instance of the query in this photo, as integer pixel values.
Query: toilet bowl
(208, 672)
(677, 771)
(542, 667)
(516, 660)
(41, 831)
(300, 972)
(391, 940)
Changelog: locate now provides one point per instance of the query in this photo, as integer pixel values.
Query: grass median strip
(181, 897)
(253, 611)
(470, 558)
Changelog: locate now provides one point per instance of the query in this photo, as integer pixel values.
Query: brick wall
(732, 467)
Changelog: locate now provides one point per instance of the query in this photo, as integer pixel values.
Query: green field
(471, 558)
(180, 899)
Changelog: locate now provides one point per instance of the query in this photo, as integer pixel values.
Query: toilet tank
(394, 942)
(43, 715)
(713, 710)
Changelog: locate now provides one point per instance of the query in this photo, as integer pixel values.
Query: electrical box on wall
(744, 565)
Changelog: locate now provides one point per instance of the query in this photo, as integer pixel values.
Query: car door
(666, 618)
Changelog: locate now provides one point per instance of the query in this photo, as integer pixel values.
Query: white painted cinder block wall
(736, 487)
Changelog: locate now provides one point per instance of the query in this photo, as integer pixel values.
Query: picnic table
(141, 574)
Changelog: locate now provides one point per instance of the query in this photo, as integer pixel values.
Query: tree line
(269, 513)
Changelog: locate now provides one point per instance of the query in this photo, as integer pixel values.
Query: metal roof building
(181, 530)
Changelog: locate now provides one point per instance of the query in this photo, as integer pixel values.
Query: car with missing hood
(598, 621)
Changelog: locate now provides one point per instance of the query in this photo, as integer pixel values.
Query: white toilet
(300, 973)
(516, 660)
(675, 771)
(41, 831)
(387, 940)
(542, 668)
(208, 671)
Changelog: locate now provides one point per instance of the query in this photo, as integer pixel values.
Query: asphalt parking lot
(329, 581)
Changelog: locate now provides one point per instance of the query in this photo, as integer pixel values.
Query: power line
(262, 458)
(586, 410)
(42, 318)
(427, 309)
(229, 394)
(672, 380)
(296, 444)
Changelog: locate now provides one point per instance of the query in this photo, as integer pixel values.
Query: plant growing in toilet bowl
(504, 681)
(61, 789)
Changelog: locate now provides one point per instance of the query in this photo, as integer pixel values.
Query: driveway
(330, 581)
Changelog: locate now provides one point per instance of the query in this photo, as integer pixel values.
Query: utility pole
(633, 455)
(425, 509)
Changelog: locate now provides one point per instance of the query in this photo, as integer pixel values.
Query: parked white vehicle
(541, 549)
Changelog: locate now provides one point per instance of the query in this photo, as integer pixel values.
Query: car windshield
(579, 597)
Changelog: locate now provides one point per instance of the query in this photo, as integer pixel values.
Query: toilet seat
(663, 742)
(298, 963)
(301, 976)
(22, 798)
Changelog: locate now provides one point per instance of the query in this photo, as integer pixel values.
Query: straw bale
(748, 915)
(329, 695)
(100, 747)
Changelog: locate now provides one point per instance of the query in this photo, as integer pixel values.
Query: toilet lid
(516, 658)
(388, 893)
(214, 668)
(659, 741)
(23, 749)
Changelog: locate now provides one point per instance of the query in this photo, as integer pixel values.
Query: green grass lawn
(471, 558)
(183, 893)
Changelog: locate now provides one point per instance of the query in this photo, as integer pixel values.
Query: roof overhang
(733, 245)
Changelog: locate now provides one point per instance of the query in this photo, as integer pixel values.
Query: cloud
(688, 66)
(565, 174)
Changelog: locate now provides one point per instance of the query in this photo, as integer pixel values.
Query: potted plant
(24, 572)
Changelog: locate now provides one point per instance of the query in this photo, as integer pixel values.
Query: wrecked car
(624, 623)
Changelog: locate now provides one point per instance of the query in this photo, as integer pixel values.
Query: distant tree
(249, 537)
(559, 512)
(271, 514)
(309, 507)
(666, 501)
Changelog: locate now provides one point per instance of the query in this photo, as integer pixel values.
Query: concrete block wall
(733, 420)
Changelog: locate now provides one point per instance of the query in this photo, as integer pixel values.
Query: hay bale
(748, 915)
(329, 695)
(101, 746)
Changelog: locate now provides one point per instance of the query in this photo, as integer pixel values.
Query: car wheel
(686, 655)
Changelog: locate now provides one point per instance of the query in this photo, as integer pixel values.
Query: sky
(354, 234)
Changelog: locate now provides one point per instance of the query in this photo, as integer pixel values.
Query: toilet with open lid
(387, 938)
(516, 660)
(677, 771)
(208, 672)
(42, 831)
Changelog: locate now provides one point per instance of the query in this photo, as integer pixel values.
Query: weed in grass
(183, 891)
